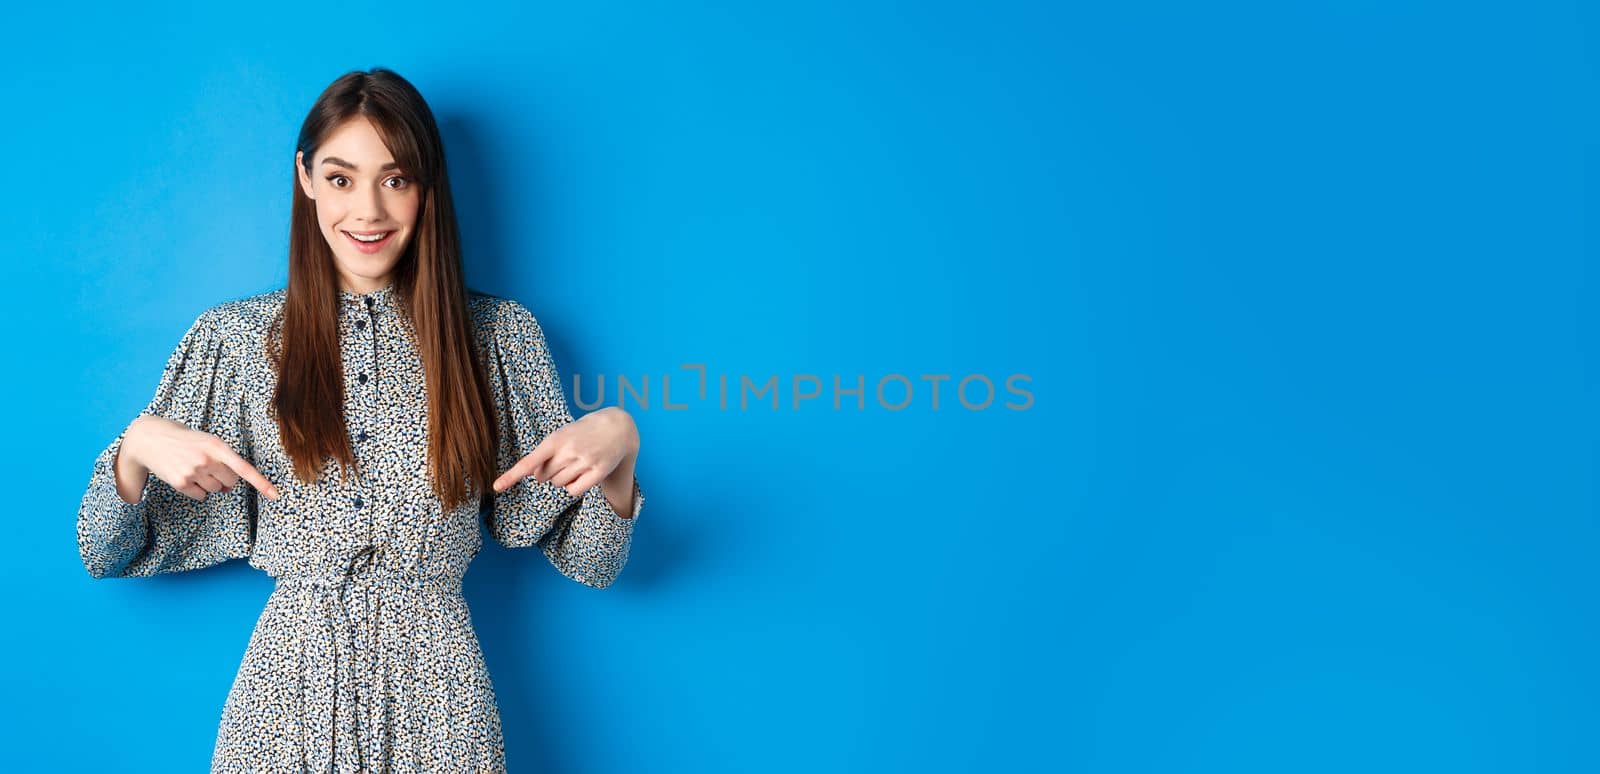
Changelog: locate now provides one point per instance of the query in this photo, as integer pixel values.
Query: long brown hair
(428, 289)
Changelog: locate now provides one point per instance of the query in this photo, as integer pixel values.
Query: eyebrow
(343, 163)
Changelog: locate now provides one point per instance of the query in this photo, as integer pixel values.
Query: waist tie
(338, 702)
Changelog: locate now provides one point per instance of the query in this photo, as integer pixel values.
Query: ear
(300, 174)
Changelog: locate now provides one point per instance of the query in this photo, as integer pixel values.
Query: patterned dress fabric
(364, 658)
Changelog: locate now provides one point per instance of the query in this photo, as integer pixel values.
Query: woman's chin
(369, 266)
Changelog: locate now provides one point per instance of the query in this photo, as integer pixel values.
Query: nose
(369, 208)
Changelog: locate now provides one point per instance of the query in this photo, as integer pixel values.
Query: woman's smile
(368, 241)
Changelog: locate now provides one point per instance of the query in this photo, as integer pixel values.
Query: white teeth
(373, 238)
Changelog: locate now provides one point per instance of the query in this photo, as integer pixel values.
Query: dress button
(362, 377)
(358, 502)
(361, 325)
(362, 436)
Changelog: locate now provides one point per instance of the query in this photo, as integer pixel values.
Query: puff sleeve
(168, 531)
(583, 537)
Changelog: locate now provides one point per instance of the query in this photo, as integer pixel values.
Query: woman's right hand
(191, 461)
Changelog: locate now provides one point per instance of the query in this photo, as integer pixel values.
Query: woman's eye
(403, 181)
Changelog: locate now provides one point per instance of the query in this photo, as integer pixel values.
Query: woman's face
(359, 190)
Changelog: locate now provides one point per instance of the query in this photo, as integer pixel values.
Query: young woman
(363, 407)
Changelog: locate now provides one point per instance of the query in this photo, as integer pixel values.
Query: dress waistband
(364, 566)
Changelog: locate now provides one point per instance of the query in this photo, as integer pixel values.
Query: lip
(369, 247)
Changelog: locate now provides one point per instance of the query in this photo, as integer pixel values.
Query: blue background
(1308, 483)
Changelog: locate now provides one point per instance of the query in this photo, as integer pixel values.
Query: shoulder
(241, 320)
(258, 309)
(496, 317)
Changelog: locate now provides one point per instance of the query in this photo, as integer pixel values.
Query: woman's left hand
(580, 454)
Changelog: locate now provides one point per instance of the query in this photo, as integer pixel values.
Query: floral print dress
(364, 658)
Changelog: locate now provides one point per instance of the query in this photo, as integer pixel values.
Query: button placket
(364, 364)
(361, 316)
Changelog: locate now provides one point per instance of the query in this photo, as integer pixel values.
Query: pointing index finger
(524, 467)
(248, 472)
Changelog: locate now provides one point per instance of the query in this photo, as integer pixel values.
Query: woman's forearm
(131, 474)
(618, 487)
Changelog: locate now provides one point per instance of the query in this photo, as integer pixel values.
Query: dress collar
(382, 298)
